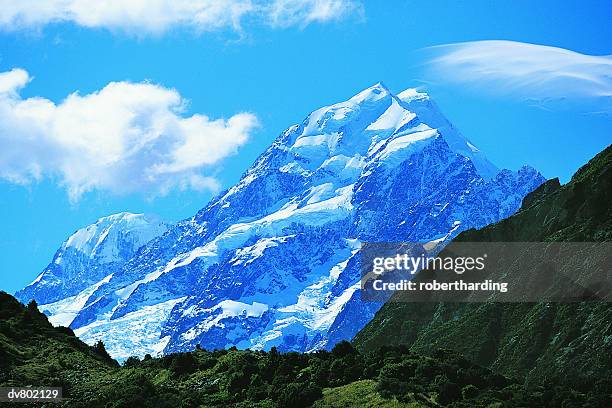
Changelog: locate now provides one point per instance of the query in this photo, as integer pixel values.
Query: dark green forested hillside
(31, 349)
(34, 353)
(539, 342)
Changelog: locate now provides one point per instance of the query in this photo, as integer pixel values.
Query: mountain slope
(91, 254)
(270, 262)
(539, 341)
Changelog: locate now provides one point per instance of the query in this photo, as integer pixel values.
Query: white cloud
(126, 137)
(285, 13)
(157, 16)
(548, 75)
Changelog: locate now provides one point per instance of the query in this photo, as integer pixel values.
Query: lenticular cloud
(126, 137)
(548, 75)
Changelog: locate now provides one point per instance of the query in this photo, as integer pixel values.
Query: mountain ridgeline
(271, 262)
(567, 342)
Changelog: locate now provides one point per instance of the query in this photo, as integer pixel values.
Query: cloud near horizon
(158, 16)
(124, 138)
(548, 76)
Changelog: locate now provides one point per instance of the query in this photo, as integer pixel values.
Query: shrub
(65, 330)
(320, 372)
(183, 363)
(299, 395)
(388, 387)
(469, 392)
(402, 370)
(448, 392)
(237, 382)
(32, 306)
(344, 348)
(132, 361)
(100, 350)
(426, 370)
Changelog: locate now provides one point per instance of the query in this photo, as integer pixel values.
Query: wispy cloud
(158, 16)
(126, 137)
(548, 76)
(286, 13)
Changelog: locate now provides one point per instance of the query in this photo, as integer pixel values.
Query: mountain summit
(91, 254)
(271, 261)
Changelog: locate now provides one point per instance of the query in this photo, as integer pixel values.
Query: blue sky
(274, 66)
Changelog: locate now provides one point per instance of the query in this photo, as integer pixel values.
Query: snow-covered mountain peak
(99, 240)
(336, 144)
(92, 253)
(350, 115)
(374, 93)
(272, 261)
(412, 94)
(367, 122)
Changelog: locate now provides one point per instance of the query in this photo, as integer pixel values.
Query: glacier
(273, 260)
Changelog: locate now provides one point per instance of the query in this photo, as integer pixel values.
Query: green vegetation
(35, 353)
(31, 349)
(361, 394)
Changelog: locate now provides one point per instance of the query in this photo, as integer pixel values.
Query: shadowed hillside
(569, 343)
